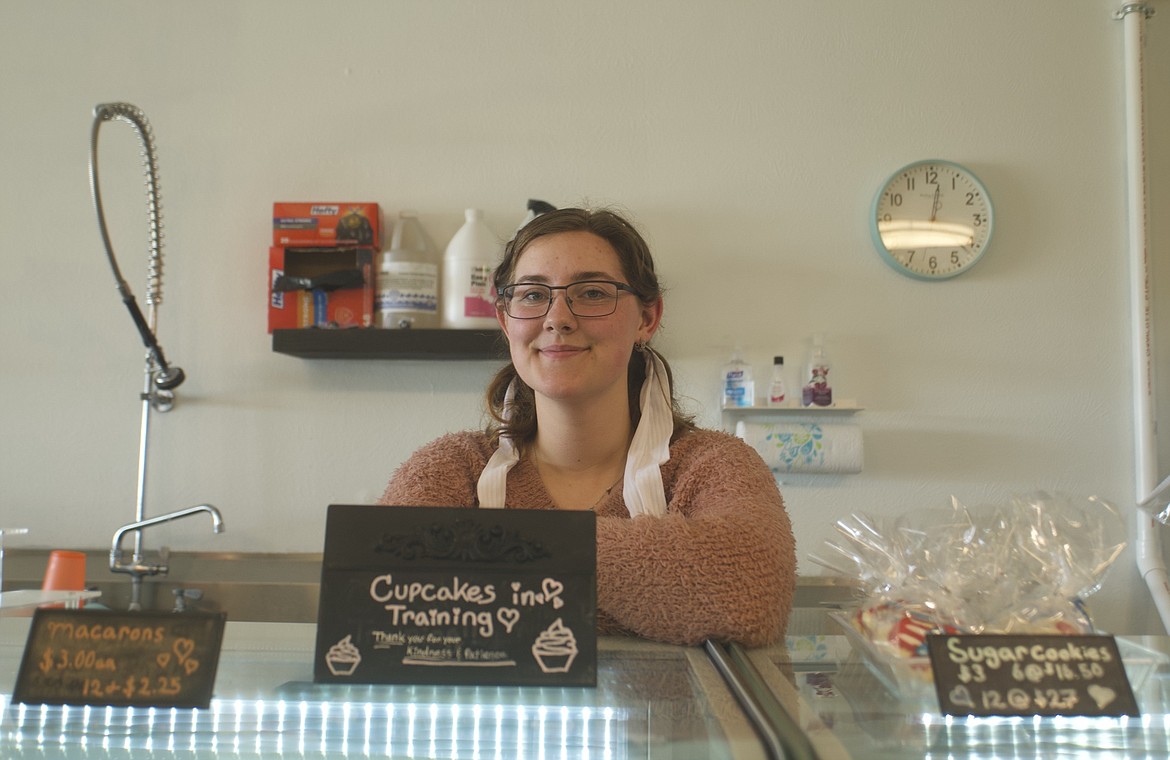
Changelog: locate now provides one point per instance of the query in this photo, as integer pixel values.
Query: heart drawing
(1102, 695)
(552, 589)
(508, 617)
(183, 648)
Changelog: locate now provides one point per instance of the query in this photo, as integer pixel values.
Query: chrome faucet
(160, 378)
(138, 568)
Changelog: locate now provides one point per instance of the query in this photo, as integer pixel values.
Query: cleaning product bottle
(739, 389)
(535, 209)
(408, 277)
(778, 392)
(816, 390)
(469, 297)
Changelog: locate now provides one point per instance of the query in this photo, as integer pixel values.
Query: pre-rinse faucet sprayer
(161, 378)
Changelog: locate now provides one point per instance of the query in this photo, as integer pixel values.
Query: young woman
(692, 538)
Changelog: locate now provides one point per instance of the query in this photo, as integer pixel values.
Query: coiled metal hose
(165, 377)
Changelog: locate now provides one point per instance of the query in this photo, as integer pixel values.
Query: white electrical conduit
(1147, 536)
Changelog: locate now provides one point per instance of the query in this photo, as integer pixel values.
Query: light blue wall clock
(932, 220)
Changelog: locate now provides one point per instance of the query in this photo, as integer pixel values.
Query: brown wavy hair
(637, 268)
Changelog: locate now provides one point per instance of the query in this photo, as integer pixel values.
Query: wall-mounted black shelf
(373, 343)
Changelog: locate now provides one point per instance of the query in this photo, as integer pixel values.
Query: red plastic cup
(65, 572)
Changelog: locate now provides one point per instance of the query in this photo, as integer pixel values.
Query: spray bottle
(817, 390)
(535, 209)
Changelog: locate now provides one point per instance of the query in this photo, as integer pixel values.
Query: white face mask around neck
(649, 449)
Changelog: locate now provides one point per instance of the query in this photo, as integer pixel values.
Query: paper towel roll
(804, 446)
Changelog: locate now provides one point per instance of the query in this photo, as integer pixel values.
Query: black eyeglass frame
(505, 294)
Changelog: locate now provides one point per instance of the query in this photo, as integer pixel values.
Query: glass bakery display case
(817, 695)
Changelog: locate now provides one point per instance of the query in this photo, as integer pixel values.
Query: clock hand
(934, 206)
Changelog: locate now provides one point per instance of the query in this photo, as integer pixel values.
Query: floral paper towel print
(805, 447)
(799, 445)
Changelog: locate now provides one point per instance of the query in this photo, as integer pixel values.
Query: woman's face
(565, 357)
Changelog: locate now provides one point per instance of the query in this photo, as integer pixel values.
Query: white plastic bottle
(739, 388)
(778, 392)
(469, 297)
(408, 278)
(817, 389)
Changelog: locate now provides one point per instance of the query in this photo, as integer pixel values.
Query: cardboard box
(317, 224)
(330, 286)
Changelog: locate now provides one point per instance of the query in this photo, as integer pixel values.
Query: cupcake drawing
(555, 648)
(343, 657)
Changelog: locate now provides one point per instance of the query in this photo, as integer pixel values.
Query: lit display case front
(651, 700)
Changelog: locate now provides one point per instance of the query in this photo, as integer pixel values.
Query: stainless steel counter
(247, 586)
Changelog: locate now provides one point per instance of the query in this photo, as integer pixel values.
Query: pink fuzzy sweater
(720, 564)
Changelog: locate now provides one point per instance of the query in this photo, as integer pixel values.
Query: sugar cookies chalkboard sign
(103, 657)
(997, 674)
(429, 595)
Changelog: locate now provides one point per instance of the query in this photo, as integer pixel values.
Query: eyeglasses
(588, 298)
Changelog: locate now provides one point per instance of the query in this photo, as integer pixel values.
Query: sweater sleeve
(720, 564)
(443, 473)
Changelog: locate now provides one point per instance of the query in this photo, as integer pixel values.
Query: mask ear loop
(492, 487)
(644, 493)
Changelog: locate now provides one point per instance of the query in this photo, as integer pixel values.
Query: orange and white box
(303, 224)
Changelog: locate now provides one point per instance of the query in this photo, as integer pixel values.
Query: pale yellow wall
(747, 139)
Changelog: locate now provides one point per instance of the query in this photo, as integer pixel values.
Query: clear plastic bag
(1157, 504)
(1023, 567)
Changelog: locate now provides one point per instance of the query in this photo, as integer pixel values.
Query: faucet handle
(182, 595)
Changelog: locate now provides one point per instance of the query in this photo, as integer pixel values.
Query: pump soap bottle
(469, 297)
(816, 390)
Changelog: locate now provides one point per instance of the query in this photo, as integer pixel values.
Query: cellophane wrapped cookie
(1022, 567)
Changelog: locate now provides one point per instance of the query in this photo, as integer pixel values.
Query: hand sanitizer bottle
(739, 389)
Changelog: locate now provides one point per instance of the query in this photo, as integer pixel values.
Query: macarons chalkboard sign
(103, 657)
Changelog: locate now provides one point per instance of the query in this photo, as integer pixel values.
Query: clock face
(931, 220)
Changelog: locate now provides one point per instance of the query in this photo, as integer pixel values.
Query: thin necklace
(607, 492)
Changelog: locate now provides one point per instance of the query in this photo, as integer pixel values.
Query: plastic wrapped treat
(1023, 567)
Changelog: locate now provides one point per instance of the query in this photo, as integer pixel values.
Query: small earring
(640, 346)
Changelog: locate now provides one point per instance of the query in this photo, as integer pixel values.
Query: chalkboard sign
(1030, 675)
(103, 657)
(437, 595)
